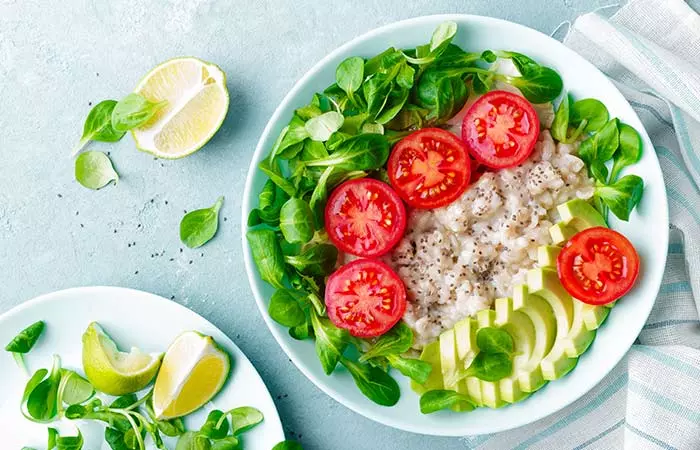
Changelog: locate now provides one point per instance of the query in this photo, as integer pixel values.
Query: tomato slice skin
(598, 266)
(365, 297)
(365, 217)
(429, 168)
(500, 129)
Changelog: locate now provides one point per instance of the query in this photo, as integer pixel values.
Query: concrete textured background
(59, 57)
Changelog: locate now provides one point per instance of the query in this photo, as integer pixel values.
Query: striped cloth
(651, 400)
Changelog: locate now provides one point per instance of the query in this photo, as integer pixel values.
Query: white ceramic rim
(614, 358)
(275, 423)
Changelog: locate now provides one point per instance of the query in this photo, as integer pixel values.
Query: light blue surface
(58, 57)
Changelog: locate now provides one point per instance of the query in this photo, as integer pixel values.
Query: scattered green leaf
(199, 226)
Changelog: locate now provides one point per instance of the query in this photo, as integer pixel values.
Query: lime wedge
(194, 369)
(114, 372)
(197, 102)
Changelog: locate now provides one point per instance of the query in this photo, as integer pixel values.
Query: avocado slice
(448, 357)
(560, 233)
(430, 354)
(580, 214)
(547, 255)
(543, 321)
(544, 282)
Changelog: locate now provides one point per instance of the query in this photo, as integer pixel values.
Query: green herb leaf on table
(629, 152)
(227, 443)
(297, 221)
(98, 125)
(199, 226)
(94, 170)
(24, 342)
(622, 196)
(436, 400)
(133, 111)
(373, 382)
(192, 440)
(494, 340)
(267, 255)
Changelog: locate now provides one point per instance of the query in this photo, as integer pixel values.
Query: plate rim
(49, 297)
(246, 207)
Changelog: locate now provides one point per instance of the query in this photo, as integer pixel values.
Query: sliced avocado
(544, 282)
(543, 321)
(547, 255)
(430, 354)
(560, 233)
(580, 215)
(474, 390)
(448, 357)
(486, 318)
(465, 337)
(521, 328)
(594, 316)
(564, 356)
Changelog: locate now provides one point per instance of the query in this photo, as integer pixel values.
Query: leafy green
(64, 442)
(440, 40)
(321, 127)
(297, 221)
(94, 170)
(133, 111)
(417, 370)
(589, 114)
(494, 340)
(284, 308)
(39, 402)
(629, 152)
(489, 367)
(539, 85)
(24, 342)
(318, 260)
(560, 126)
(271, 169)
(193, 441)
(331, 342)
(199, 226)
(396, 341)
(361, 152)
(436, 400)
(267, 255)
(349, 75)
(622, 196)
(373, 382)
(216, 426)
(98, 125)
(270, 201)
(442, 92)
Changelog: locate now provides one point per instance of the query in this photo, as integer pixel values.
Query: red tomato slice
(501, 129)
(365, 217)
(365, 297)
(598, 266)
(429, 168)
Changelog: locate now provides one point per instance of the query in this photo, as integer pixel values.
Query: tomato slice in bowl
(365, 297)
(501, 129)
(429, 168)
(598, 266)
(365, 217)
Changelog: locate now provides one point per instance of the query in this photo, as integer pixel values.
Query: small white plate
(132, 318)
(647, 229)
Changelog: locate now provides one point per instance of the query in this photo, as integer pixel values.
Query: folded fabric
(651, 400)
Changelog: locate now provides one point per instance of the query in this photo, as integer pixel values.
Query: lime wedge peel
(197, 99)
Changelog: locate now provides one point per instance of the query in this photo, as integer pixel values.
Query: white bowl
(647, 229)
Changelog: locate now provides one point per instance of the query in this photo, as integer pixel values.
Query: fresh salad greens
(199, 227)
(94, 170)
(60, 393)
(133, 111)
(609, 147)
(439, 399)
(346, 132)
(23, 343)
(98, 125)
(288, 445)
